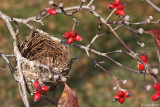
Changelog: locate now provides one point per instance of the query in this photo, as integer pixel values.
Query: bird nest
(47, 61)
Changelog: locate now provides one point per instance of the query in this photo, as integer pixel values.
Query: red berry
(116, 2)
(121, 100)
(127, 94)
(141, 67)
(45, 88)
(73, 33)
(77, 38)
(116, 97)
(156, 86)
(111, 6)
(146, 62)
(117, 12)
(52, 11)
(36, 84)
(144, 57)
(156, 96)
(120, 93)
(66, 35)
(38, 90)
(37, 96)
(70, 40)
(121, 12)
(120, 6)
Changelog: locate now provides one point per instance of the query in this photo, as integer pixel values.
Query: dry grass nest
(48, 61)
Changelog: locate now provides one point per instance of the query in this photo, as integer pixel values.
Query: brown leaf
(68, 98)
(156, 35)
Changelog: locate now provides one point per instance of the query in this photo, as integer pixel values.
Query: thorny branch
(66, 11)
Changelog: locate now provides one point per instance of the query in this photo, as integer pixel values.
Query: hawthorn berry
(144, 57)
(120, 93)
(156, 86)
(52, 11)
(38, 90)
(141, 67)
(116, 2)
(70, 40)
(66, 35)
(120, 6)
(77, 38)
(37, 96)
(36, 84)
(127, 94)
(45, 88)
(121, 12)
(73, 33)
(121, 100)
(116, 97)
(117, 12)
(156, 96)
(146, 62)
(111, 6)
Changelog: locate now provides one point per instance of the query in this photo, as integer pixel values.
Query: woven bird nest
(48, 61)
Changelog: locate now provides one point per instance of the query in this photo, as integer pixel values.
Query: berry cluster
(72, 36)
(144, 59)
(156, 96)
(39, 89)
(120, 96)
(51, 11)
(119, 6)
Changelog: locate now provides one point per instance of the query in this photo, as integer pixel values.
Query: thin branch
(110, 14)
(98, 65)
(89, 4)
(9, 65)
(51, 101)
(153, 5)
(86, 48)
(2, 69)
(17, 53)
(66, 11)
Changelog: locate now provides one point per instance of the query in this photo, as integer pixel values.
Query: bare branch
(153, 5)
(9, 65)
(89, 4)
(71, 11)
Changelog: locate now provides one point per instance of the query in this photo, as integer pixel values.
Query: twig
(153, 5)
(21, 80)
(89, 4)
(2, 69)
(66, 11)
(51, 101)
(86, 48)
(9, 65)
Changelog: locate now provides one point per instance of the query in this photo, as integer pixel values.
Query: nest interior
(41, 48)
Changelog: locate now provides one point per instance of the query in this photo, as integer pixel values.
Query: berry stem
(51, 101)
(117, 84)
(154, 79)
(74, 23)
(111, 14)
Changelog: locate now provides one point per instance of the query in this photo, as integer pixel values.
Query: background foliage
(94, 87)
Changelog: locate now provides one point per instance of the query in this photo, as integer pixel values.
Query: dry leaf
(156, 35)
(68, 98)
